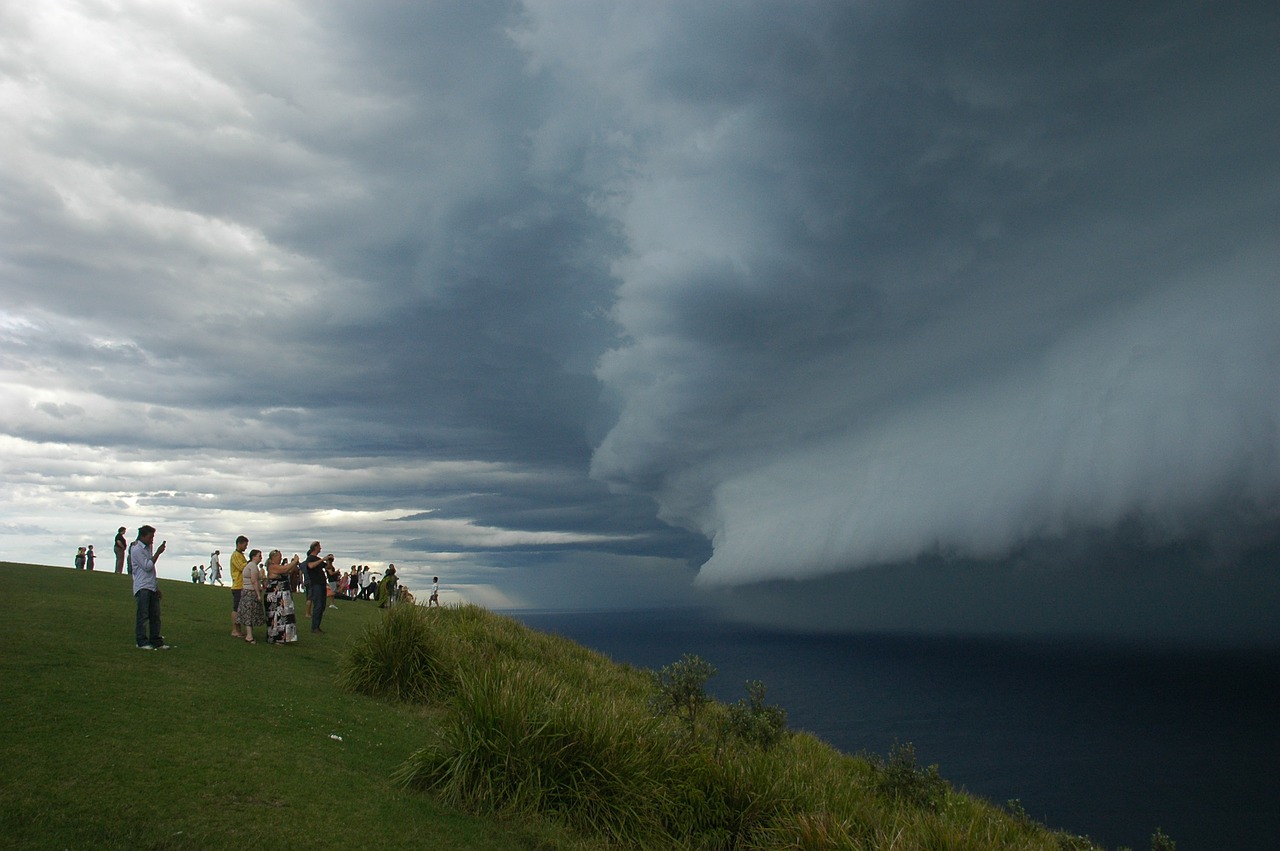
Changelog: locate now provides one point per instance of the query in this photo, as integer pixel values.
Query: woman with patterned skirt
(250, 612)
(282, 623)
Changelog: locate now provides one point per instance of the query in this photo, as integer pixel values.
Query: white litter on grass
(335, 737)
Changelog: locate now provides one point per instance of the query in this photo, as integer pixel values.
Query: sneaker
(162, 647)
(145, 647)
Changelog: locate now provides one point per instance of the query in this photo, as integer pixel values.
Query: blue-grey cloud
(747, 291)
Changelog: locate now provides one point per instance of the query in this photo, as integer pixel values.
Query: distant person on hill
(238, 561)
(195, 575)
(251, 610)
(282, 622)
(387, 588)
(146, 592)
(434, 600)
(215, 567)
(80, 559)
(317, 585)
(365, 582)
(89, 558)
(120, 546)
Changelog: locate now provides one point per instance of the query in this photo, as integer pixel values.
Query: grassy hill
(451, 728)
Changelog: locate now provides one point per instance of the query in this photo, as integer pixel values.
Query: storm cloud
(625, 303)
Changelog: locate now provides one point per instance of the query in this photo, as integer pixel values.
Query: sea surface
(1105, 741)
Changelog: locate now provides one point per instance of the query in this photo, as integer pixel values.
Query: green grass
(457, 729)
(214, 744)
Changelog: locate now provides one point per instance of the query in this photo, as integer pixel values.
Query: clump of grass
(518, 742)
(397, 656)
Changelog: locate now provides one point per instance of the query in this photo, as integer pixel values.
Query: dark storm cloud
(826, 286)
(1000, 275)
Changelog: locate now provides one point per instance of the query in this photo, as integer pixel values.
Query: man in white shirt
(145, 589)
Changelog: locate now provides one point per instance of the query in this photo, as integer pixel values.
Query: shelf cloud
(637, 303)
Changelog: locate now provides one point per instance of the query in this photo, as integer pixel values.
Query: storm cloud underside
(572, 295)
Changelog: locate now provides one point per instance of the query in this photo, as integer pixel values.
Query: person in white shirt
(145, 589)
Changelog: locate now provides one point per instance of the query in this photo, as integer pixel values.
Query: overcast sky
(860, 308)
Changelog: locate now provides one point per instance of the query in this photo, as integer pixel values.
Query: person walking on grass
(317, 585)
(215, 568)
(89, 558)
(435, 593)
(238, 561)
(120, 546)
(146, 592)
(251, 610)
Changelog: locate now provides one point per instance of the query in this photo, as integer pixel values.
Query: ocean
(1105, 741)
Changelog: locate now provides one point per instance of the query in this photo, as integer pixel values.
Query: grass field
(213, 744)
(500, 737)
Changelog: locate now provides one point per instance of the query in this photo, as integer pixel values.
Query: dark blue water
(1103, 741)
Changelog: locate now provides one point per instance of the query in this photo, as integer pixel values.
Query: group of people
(212, 574)
(86, 559)
(261, 594)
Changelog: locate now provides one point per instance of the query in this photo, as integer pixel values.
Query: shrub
(902, 779)
(681, 689)
(398, 657)
(751, 722)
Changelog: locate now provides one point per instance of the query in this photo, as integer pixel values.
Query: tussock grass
(528, 725)
(397, 656)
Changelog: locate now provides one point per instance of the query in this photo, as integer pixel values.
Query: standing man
(145, 590)
(120, 546)
(317, 585)
(89, 557)
(238, 561)
(80, 558)
(435, 593)
(215, 568)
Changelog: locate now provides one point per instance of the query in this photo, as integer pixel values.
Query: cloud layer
(572, 301)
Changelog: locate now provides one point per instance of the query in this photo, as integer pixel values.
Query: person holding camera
(317, 584)
(146, 591)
